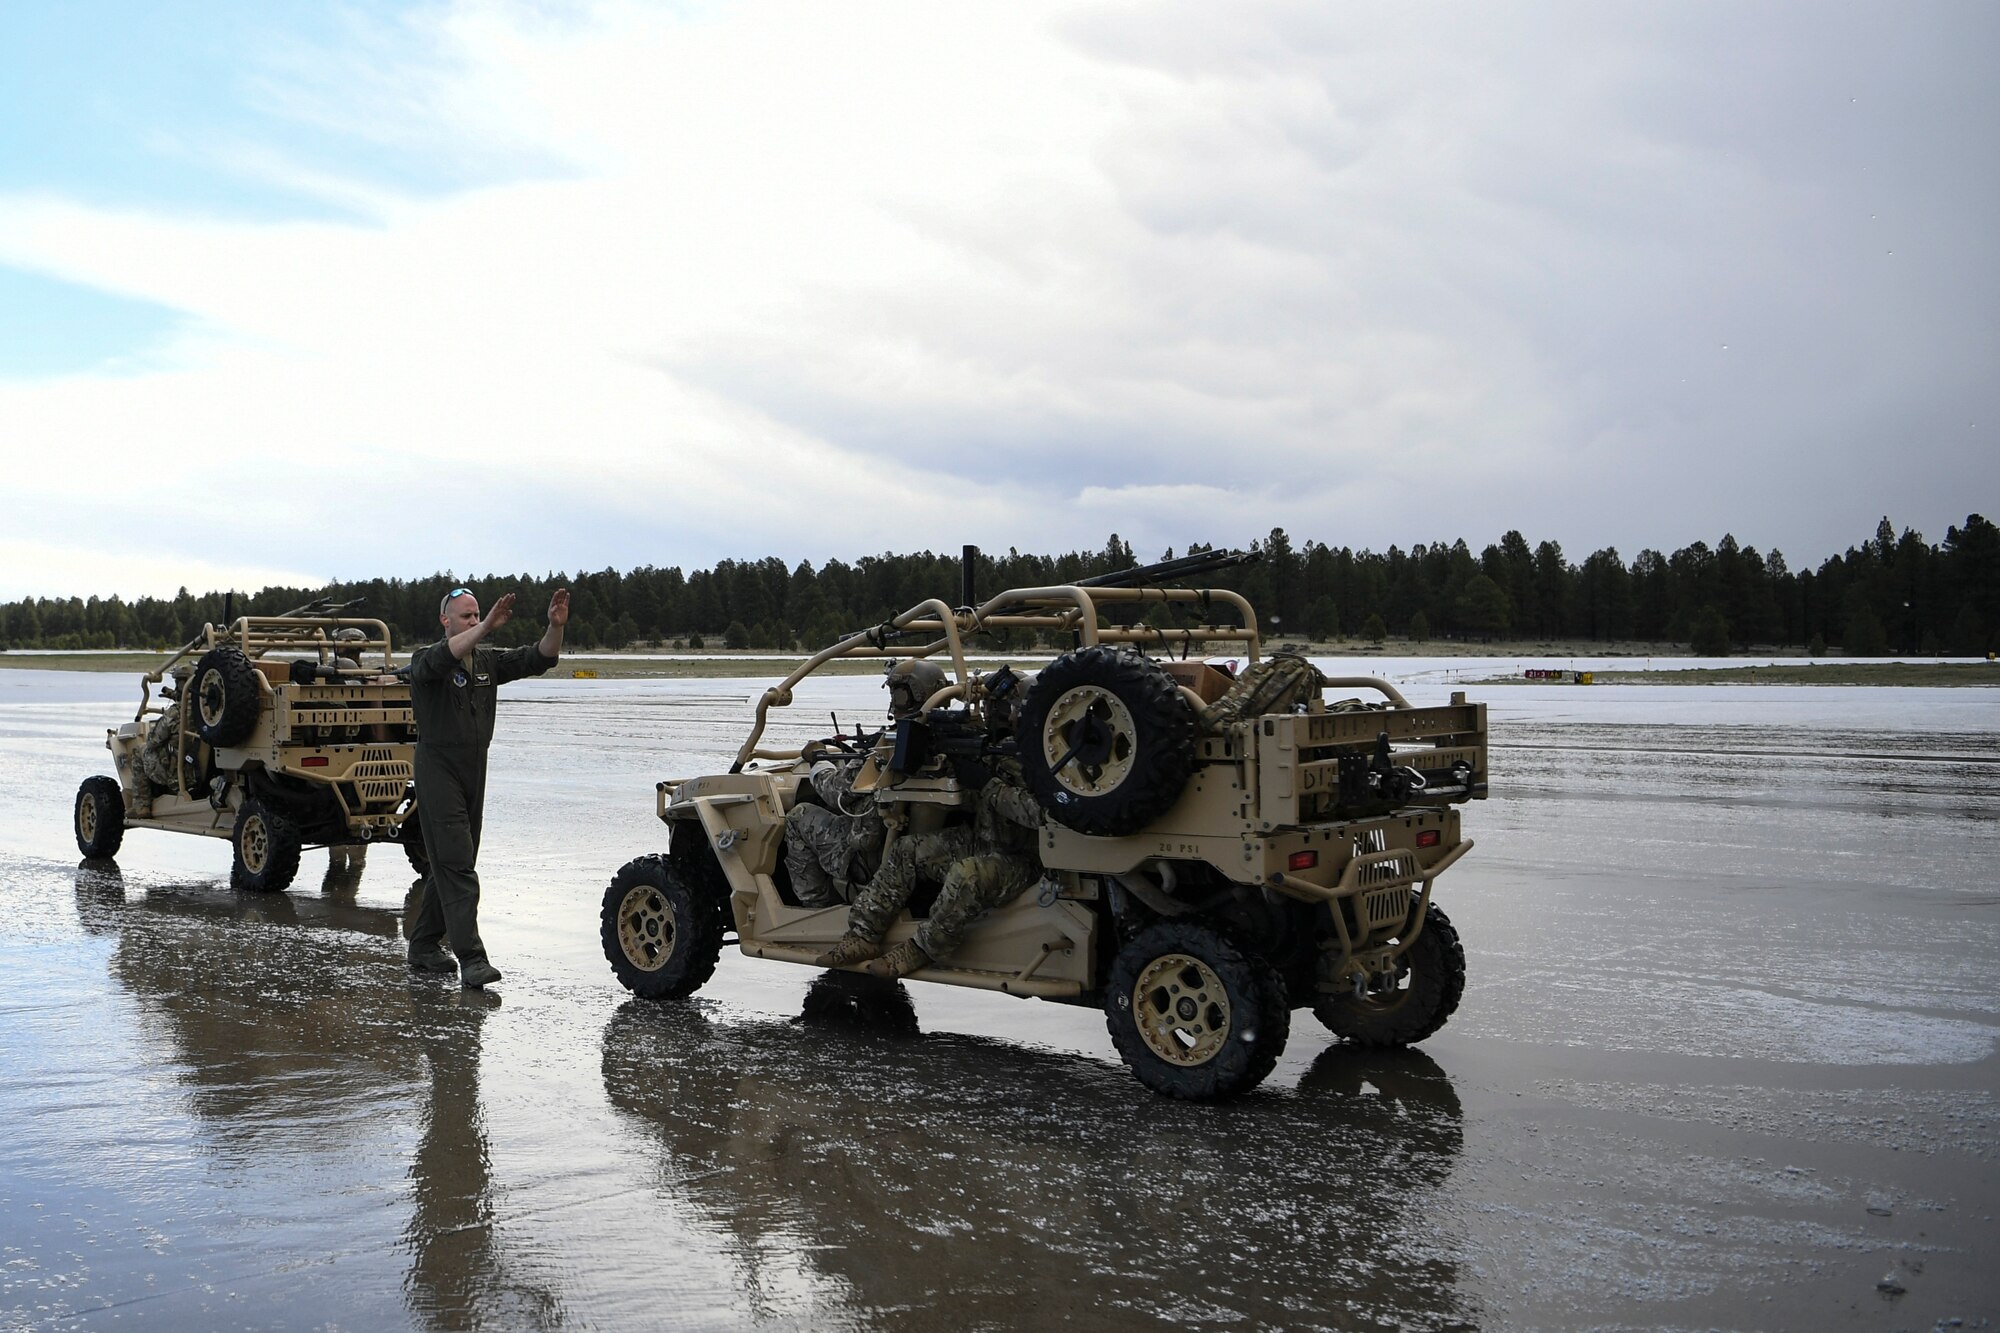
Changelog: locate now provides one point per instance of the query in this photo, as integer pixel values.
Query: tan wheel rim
(86, 817)
(1078, 716)
(1182, 1009)
(211, 698)
(646, 928)
(256, 848)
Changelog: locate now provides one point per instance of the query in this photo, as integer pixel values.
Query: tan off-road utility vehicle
(281, 732)
(1200, 879)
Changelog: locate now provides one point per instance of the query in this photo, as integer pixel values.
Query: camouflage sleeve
(834, 784)
(1014, 804)
(434, 662)
(514, 663)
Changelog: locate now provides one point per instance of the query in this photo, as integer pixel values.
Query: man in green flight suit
(454, 685)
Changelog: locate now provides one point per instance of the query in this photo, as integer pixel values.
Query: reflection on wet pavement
(458, 1277)
(1726, 1059)
(939, 1179)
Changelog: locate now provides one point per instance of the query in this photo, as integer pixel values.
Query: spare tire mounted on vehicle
(226, 696)
(1107, 741)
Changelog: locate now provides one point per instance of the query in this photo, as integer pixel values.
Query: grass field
(132, 662)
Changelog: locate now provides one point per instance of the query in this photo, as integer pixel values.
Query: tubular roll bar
(257, 635)
(1394, 695)
(1063, 608)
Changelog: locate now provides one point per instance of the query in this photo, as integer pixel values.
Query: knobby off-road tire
(226, 696)
(662, 933)
(1194, 1013)
(99, 817)
(267, 849)
(1107, 741)
(1426, 993)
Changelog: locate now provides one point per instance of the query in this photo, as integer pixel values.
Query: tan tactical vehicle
(1199, 881)
(284, 732)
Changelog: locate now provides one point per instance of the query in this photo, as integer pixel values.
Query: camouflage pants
(156, 761)
(1273, 685)
(972, 887)
(884, 896)
(817, 852)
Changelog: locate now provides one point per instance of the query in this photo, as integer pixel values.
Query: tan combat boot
(850, 950)
(900, 961)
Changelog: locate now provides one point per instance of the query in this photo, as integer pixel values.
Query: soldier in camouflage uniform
(158, 768)
(828, 847)
(1002, 865)
(347, 643)
(1275, 685)
(984, 866)
(156, 761)
(882, 898)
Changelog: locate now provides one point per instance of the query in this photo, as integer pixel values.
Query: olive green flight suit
(453, 700)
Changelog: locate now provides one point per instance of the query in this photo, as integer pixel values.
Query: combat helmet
(909, 683)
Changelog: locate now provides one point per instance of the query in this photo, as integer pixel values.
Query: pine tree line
(1891, 594)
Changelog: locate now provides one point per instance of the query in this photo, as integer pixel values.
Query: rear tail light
(1302, 860)
(313, 761)
(1429, 837)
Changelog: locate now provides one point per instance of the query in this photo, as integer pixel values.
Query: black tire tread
(282, 867)
(698, 929)
(1435, 992)
(1243, 1064)
(109, 799)
(242, 698)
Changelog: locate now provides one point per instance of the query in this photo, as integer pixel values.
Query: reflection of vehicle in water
(945, 1179)
(282, 732)
(1215, 849)
(328, 1064)
(859, 1002)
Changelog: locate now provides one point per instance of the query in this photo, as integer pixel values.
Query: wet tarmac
(1726, 1059)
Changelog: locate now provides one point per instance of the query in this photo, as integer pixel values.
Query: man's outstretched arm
(551, 644)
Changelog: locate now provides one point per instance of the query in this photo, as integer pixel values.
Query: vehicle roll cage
(1065, 609)
(258, 635)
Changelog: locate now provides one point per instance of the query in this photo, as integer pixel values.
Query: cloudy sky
(302, 292)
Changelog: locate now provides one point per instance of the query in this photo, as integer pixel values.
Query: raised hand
(559, 608)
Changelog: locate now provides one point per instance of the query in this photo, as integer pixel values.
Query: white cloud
(821, 280)
(103, 564)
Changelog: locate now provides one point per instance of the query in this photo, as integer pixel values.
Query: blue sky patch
(52, 327)
(168, 105)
